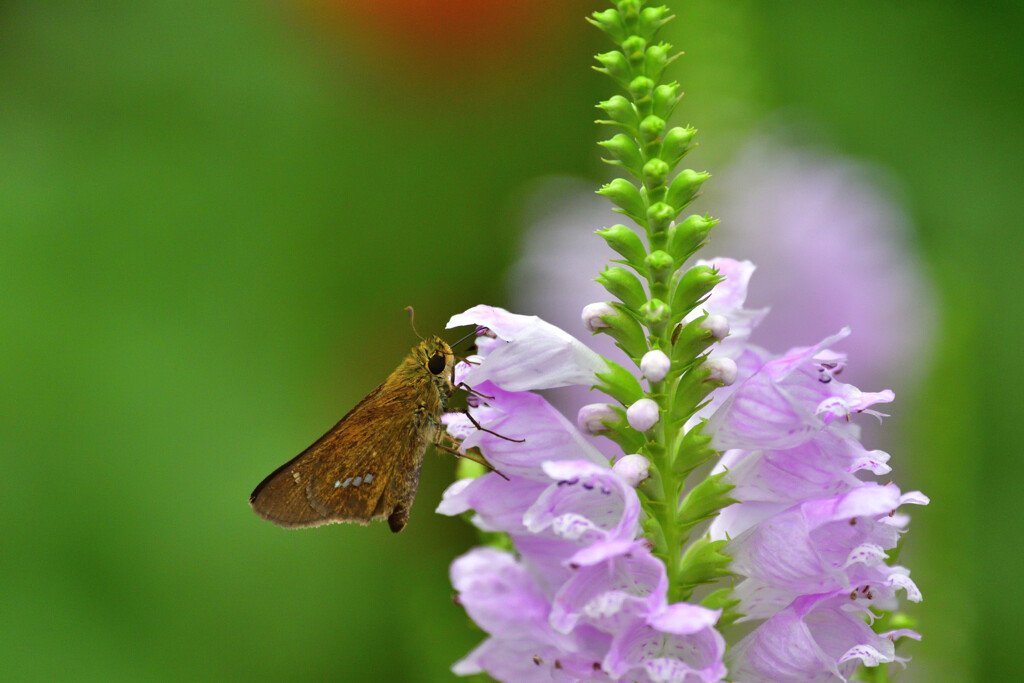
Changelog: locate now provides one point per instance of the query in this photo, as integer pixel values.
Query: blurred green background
(212, 215)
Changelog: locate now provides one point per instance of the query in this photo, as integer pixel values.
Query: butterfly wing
(389, 454)
(364, 468)
(292, 496)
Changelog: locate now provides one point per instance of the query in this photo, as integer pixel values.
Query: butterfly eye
(436, 364)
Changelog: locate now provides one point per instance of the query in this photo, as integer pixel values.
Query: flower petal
(536, 355)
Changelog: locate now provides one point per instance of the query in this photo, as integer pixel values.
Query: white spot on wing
(337, 483)
(357, 481)
(368, 478)
(345, 483)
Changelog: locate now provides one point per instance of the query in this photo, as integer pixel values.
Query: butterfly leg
(465, 411)
(468, 455)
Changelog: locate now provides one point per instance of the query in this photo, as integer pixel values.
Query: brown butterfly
(367, 466)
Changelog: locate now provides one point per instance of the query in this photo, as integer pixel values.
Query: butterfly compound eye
(436, 364)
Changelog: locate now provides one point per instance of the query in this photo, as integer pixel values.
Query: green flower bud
(610, 21)
(692, 287)
(651, 128)
(629, 9)
(623, 285)
(666, 97)
(684, 187)
(625, 195)
(687, 237)
(676, 143)
(620, 384)
(625, 152)
(633, 47)
(651, 19)
(616, 65)
(641, 87)
(659, 216)
(655, 173)
(621, 112)
(656, 315)
(655, 59)
(627, 243)
(660, 265)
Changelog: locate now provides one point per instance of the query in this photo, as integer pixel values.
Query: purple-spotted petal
(677, 645)
(813, 640)
(788, 400)
(610, 589)
(535, 354)
(587, 503)
(532, 660)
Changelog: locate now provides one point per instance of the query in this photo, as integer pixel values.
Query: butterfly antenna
(412, 321)
(474, 333)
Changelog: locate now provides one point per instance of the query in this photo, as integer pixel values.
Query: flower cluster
(810, 533)
(582, 598)
(598, 565)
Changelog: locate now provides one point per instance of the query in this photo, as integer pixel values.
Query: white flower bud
(592, 417)
(723, 370)
(592, 315)
(717, 325)
(655, 365)
(632, 469)
(642, 415)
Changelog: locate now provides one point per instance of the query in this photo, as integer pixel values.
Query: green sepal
(627, 243)
(626, 153)
(691, 340)
(616, 65)
(655, 173)
(684, 187)
(692, 287)
(704, 501)
(656, 58)
(619, 383)
(703, 563)
(692, 451)
(687, 237)
(626, 196)
(665, 98)
(627, 333)
(651, 129)
(610, 21)
(623, 285)
(723, 599)
(676, 142)
(621, 112)
(691, 390)
(651, 19)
